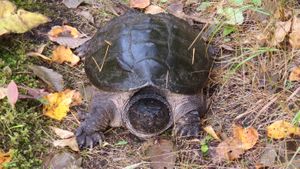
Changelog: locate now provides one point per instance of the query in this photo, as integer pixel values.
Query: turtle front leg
(90, 132)
(188, 125)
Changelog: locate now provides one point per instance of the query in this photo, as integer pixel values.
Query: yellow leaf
(31, 19)
(19, 22)
(5, 158)
(6, 8)
(58, 104)
(282, 129)
(247, 136)
(64, 54)
(212, 132)
(63, 31)
(295, 74)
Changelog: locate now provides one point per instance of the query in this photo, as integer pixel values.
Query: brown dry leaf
(140, 4)
(247, 136)
(294, 37)
(282, 29)
(58, 104)
(229, 149)
(49, 76)
(70, 142)
(5, 157)
(160, 153)
(295, 74)
(154, 9)
(77, 99)
(282, 129)
(63, 134)
(64, 54)
(212, 132)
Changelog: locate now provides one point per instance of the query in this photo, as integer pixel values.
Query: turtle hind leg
(188, 125)
(90, 132)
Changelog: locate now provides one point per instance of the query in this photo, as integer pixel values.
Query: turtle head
(148, 113)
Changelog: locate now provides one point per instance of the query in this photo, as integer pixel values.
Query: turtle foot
(188, 126)
(88, 139)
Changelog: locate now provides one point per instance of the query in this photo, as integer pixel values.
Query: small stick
(167, 79)
(106, 51)
(197, 37)
(193, 58)
(96, 64)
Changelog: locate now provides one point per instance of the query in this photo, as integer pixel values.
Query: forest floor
(249, 85)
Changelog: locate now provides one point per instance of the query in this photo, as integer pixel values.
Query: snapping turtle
(149, 78)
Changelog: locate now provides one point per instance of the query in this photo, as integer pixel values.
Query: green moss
(22, 128)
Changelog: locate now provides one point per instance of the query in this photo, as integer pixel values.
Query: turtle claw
(88, 140)
(187, 131)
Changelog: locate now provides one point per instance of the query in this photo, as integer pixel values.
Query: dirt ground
(248, 85)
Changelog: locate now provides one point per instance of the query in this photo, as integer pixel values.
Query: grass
(22, 128)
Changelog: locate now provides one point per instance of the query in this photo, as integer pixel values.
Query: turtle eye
(149, 115)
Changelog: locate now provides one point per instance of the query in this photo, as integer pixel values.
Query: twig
(197, 37)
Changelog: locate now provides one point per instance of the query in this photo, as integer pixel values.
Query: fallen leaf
(63, 31)
(87, 15)
(12, 93)
(77, 99)
(32, 93)
(154, 9)
(64, 54)
(176, 9)
(63, 134)
(229, 149)
(58, 104)
(294, 37)
(161, 154)
(76, 3)
(7, 8)
(282, 129)
(295, 74)
(67, 36)
(5, 157)
(49, 76)
(247, 136)
(268, 157)
(20, 21)
(281, 30)
(70, 142)
(140, 4)
(212, 132)
(234, 16)
(62, 160)
(3, 92)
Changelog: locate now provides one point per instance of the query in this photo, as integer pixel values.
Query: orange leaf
(229, 149)
(63, 31)
(247, 136)
(282, 129)
(5, 158)
(141, 4)
(295, 74)
(58, 104)
(64, 54)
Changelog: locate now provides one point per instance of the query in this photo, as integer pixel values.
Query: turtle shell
(137, 50)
